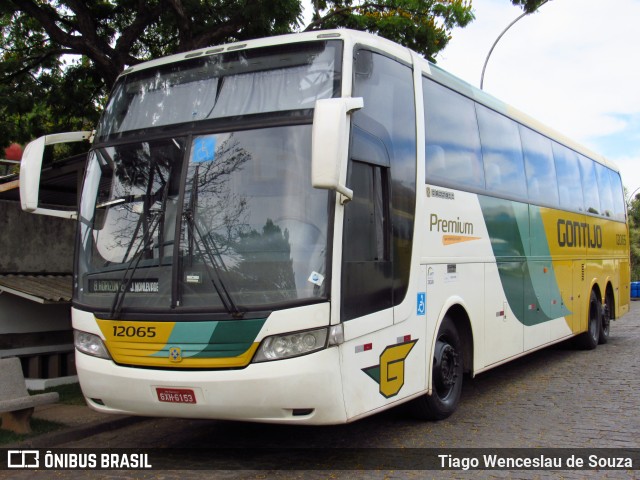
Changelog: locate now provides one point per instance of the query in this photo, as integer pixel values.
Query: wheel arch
(610, 294)
(460, 318)
(595, 287)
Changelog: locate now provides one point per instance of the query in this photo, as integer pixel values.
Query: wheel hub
(446, 364)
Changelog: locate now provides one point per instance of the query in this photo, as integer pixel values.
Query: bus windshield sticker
(316, 278)
(204, 149)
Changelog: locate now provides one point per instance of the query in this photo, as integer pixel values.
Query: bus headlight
(90, 344)
(290, 345)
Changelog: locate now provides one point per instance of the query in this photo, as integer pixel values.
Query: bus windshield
(244, 82)
(208, 217)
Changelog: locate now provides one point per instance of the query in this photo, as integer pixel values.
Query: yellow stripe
(132, 357)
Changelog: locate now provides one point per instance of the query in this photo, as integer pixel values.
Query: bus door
(378, 228)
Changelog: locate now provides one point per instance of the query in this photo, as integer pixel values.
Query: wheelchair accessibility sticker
(421, 307)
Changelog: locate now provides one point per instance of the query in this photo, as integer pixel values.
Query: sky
(574, 65)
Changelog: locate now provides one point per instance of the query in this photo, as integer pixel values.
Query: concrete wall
(34, 243)
(19, 315)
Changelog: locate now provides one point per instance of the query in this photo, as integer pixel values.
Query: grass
(38, 427)
(69, 395)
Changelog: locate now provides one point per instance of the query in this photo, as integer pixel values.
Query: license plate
(176, 395)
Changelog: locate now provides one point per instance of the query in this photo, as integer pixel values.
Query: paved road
(557, 397)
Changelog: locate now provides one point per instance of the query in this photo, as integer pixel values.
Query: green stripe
(222, 339)
(516, 230)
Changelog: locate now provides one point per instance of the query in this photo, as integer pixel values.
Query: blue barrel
(635, 289)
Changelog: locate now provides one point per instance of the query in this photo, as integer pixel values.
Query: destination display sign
(149, 285)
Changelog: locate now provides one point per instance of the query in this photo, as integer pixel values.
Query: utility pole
(500, 36)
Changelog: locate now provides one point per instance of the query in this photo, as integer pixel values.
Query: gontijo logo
(579, 234)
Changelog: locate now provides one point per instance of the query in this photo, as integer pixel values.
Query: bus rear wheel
(589, 339)
(607, 316)
(446, 376)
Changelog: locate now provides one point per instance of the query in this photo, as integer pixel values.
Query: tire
(607, 316)
(589, 339)
(446, 376)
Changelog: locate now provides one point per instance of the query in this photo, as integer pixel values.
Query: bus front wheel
(446, 376)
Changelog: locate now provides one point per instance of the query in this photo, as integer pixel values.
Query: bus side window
(540, 168)
(589, 185)
(502, 153)
(606, 196)
(568, 172)
(452, 138)
(619, 208)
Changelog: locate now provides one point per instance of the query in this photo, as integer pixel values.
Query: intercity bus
(316, 227)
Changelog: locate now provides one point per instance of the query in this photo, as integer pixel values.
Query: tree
(422, 25)
(633, 214)
(528, 6)
(41, 91)
(61, 57)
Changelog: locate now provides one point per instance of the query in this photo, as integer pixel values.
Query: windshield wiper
(143, 246)
(125, 283)
(118, 201)
(212, 252)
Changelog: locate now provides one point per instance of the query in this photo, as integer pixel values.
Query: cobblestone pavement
(555, 398)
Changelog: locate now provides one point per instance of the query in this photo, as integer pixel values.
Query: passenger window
(589, 185)
(619, 209)
(452, 138)
(542, 184)
(604, 188)
(568, 173)
(501, 153)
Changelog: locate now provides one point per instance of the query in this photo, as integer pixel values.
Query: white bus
(316, 227)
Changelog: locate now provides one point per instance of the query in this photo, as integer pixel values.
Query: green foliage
(60, 58)
(422, 25)
(40, 93)
(529, 5)
(633, 211)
